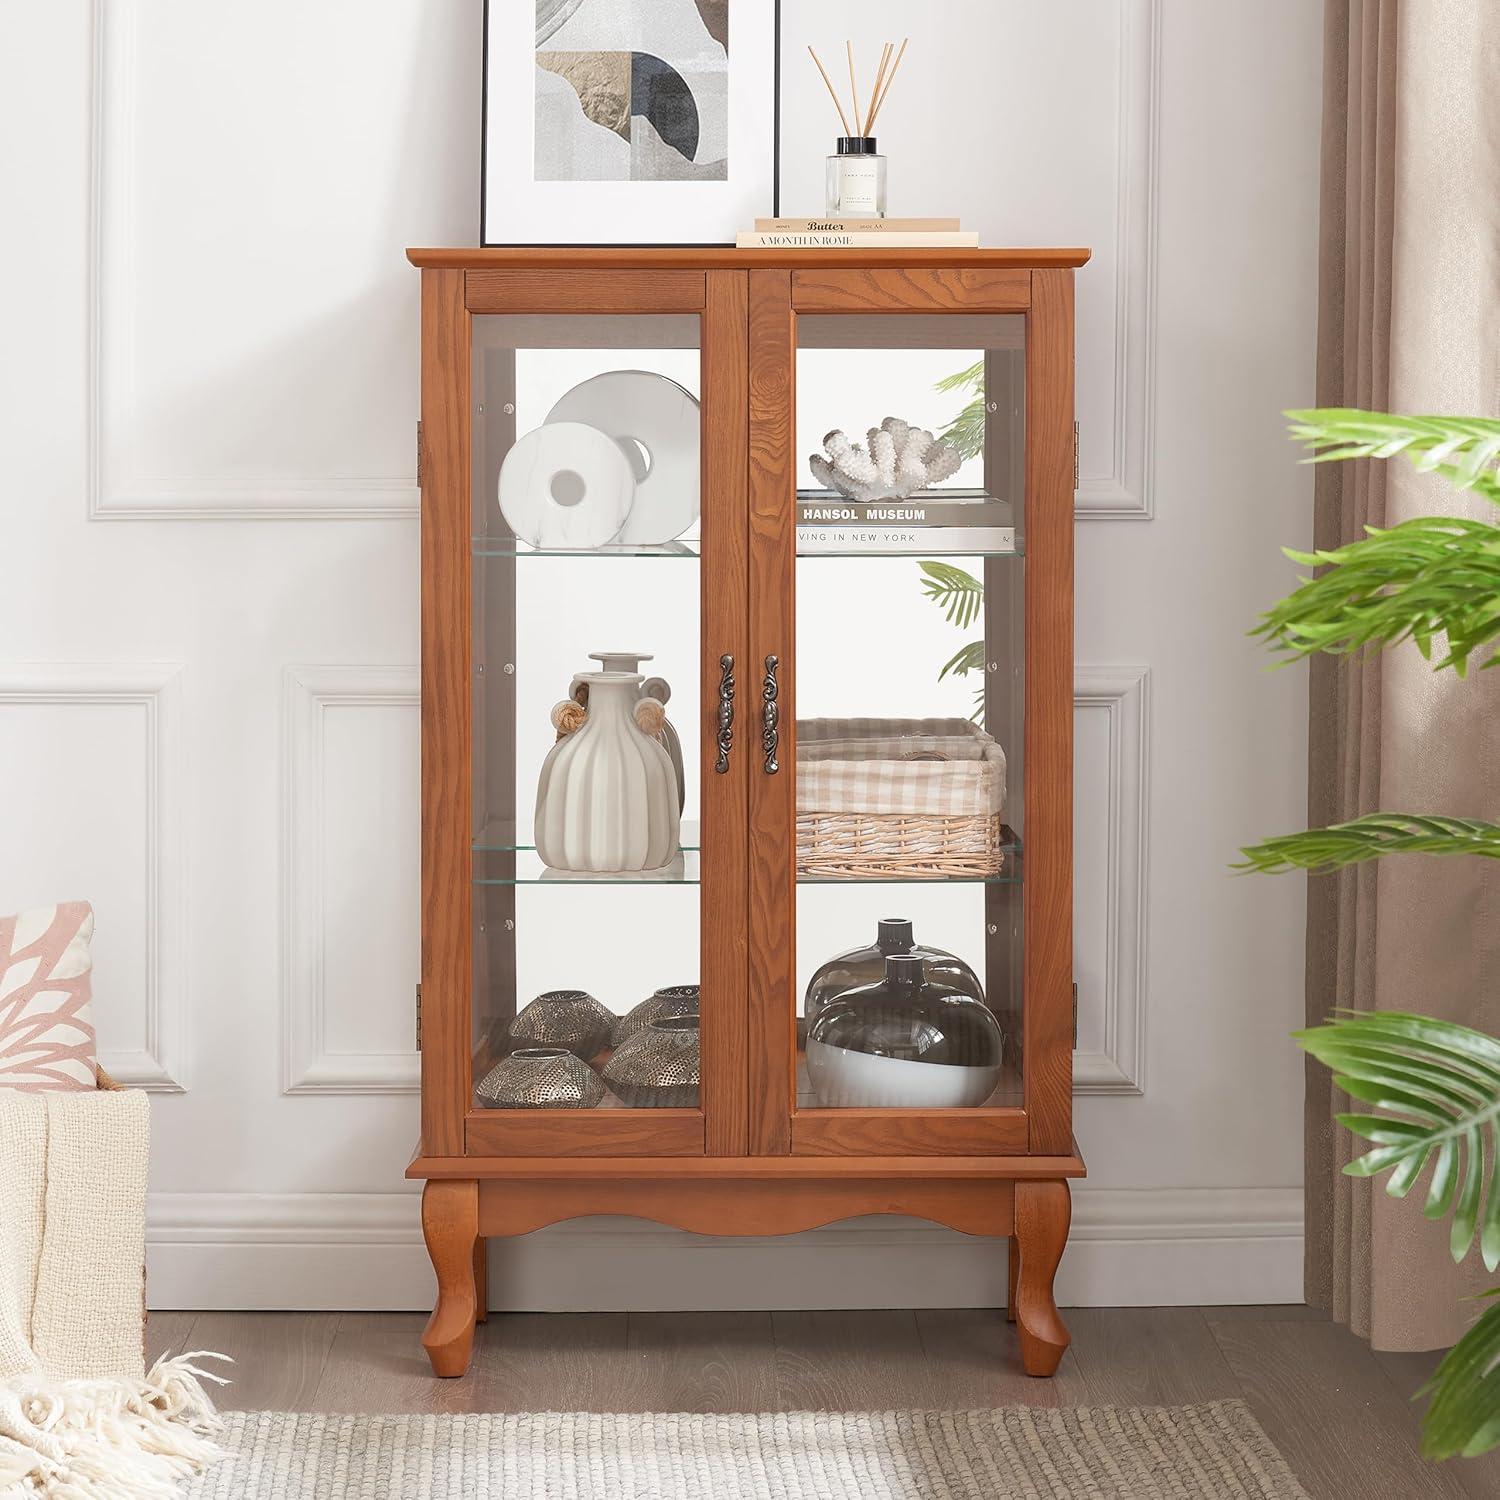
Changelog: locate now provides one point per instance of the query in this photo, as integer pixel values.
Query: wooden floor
(1341, 1415)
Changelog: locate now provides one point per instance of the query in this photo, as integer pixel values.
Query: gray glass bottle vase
(864, 966)
(905, 1043)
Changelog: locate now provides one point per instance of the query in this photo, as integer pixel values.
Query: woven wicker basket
(907, 798)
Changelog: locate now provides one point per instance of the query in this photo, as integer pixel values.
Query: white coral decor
(900, 460)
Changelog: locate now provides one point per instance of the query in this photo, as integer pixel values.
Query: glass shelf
(951, 523)
(508, 546)
(525, 867)
(499, 836)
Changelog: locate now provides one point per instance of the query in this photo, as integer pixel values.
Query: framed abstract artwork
(627, 122)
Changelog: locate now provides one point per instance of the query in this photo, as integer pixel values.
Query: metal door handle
(770, 716)
(726, 713)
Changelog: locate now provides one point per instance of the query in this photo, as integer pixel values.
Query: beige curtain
(1409, 320)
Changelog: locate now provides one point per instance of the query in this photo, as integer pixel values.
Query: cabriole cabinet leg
(1012, 1268)
(450, 1225)
(1043, 1212)
(482, 1280)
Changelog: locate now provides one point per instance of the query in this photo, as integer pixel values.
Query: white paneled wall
(208, 606)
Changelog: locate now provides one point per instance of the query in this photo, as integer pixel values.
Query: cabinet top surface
(727, 258)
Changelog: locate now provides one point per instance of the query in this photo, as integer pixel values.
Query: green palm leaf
(1323, 849)
(966, 430)
(1463, 1417)
(958, 593)
(966, 659)
(1427, 577)
(1465, 449)
(1437, 1085)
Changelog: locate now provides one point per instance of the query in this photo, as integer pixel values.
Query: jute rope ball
(567, 716)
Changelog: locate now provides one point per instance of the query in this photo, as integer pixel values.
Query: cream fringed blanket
(79, 1417)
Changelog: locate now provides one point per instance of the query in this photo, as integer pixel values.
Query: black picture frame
(774, 6)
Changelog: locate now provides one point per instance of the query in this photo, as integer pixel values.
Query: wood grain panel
(972, 1354)
(703, 1361)
(375, 1364)
(824, 1356)
(745, 1208)
(580, 1133)
(773, 882)
(710, 258)
(918, 289)
(278, 1357)
(751, 1168)
(1049, 712)
(1333, 1415)
(908, 1132)
(724, 580)
(1158, 1356)
(447, 712)
(542, 291)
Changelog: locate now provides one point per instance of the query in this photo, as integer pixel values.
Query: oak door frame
(451, 298)
(1045, 297)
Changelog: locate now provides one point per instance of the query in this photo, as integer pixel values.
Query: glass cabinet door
(591, 533)
(910, 655)
(900, 712)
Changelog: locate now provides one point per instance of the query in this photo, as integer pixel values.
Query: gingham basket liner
(883, 766)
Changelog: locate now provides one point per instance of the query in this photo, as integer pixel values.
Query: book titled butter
(854, 223)
(845, 239)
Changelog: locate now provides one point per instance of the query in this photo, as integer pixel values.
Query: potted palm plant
(1430, 1089)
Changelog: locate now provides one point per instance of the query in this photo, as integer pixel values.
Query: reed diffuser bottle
(856, 170)
(856, 179)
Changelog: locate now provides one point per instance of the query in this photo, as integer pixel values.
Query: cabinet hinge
(419, 456)
(1075, 1012)
(1075, 453)
(419, 1016)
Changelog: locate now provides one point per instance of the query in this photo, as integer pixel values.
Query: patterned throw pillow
(46, 1036)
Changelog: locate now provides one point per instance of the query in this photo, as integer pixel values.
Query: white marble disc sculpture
(900, 460)
(655, 422)
(566, 485)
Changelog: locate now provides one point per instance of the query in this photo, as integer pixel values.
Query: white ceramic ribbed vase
(607, 796)
(651, 687)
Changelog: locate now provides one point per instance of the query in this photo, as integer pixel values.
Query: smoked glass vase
(865, 966)
(905, 1043)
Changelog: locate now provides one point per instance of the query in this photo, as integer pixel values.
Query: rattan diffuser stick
(853, 88)
(890, 78)
(885, 58)
(831, 94)
(885, 74)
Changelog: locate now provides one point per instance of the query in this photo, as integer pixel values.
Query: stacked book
(930, 523)
(856, 234)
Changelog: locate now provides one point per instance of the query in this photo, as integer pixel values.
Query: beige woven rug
(1122, 1453)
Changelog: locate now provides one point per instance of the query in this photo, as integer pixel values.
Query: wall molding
(159, 1063)
(1123, 693)
(1127, 492)
(309, 694)
(1129, 1247)
(117, 490)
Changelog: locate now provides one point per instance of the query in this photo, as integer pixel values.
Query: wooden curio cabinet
(766, 630)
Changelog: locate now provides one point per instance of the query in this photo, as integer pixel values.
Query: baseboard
(1129, 1247)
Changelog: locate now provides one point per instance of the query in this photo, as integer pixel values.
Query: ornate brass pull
(726, 713)
(770, 716)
